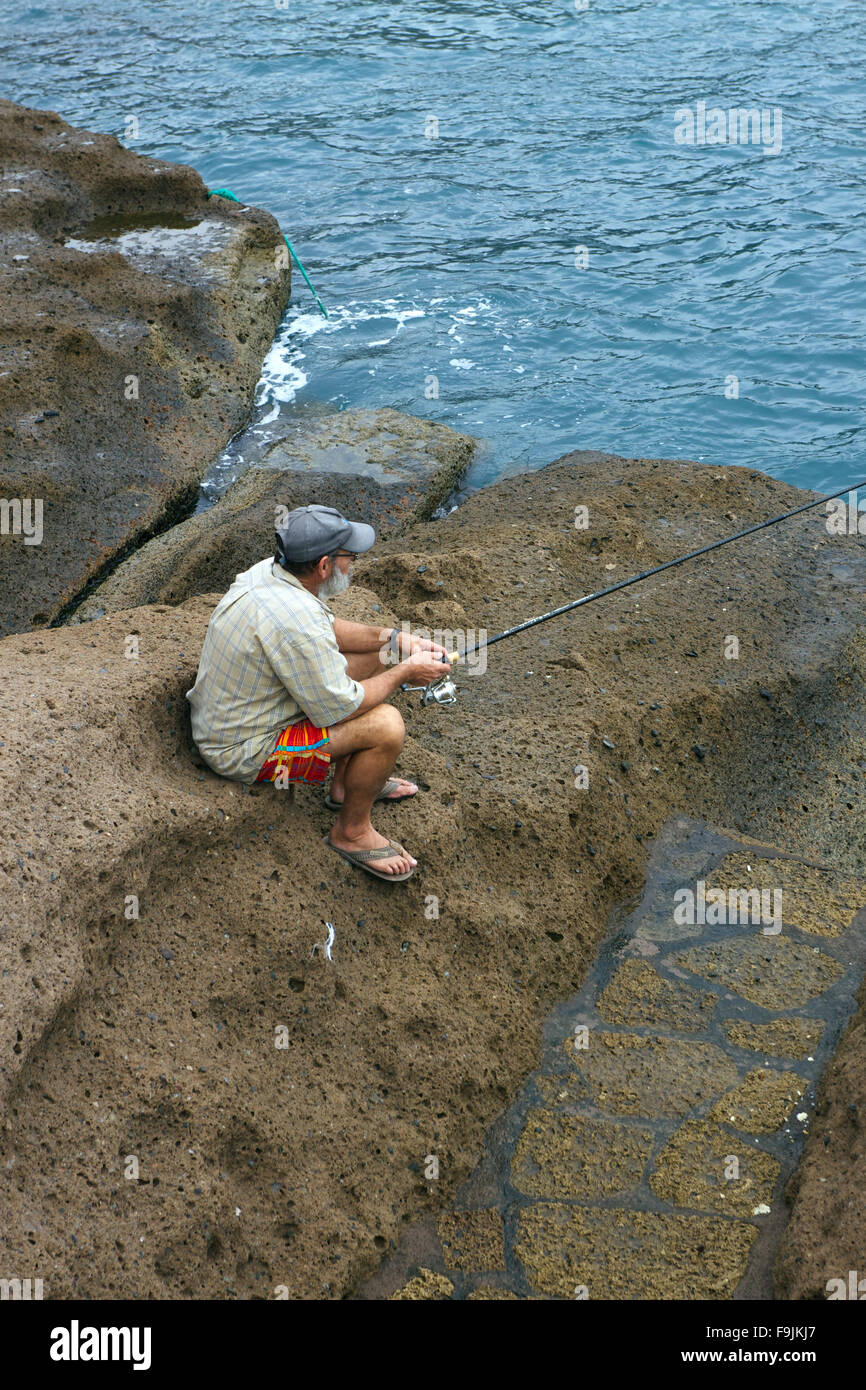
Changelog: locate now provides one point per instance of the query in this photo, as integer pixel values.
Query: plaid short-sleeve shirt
(270, 658)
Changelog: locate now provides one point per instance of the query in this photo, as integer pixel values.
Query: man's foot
(395, 789)
(388, 865)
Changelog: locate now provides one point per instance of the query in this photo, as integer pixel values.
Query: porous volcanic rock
(195, 1104)
(137, 312)
(826, 1235)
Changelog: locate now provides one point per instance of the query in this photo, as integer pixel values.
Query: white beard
(336, 583)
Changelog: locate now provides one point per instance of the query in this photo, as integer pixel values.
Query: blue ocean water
(437, 166)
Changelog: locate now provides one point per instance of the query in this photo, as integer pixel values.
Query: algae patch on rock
(707, 1168)
(630, 1254)
(638, 994)
(771, 971)
(473, 1239)
(813, 899)
(762, 1101)
(425, 1285)
(571, 1156)
(781, 1037)
(562, 1089)
(630, 1074)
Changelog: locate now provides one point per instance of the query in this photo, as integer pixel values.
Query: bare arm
(363, 637)
(419, 669)
(359, 637)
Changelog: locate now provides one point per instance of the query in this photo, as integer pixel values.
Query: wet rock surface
(635, 1074)
(783, 1037)
(769, 973)
(376, 466)
(283, 1109)
(570, 1252)
(639, 995)
(761, 1102)
(136, 316)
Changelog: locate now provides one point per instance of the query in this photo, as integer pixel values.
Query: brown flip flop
(361, 858)
(383, 795)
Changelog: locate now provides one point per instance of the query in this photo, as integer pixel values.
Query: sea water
(535, 222)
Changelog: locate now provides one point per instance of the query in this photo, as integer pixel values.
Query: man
(284, 687)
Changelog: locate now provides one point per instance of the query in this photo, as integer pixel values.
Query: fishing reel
(440, 692)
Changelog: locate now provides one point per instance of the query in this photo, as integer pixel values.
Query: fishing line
(657, 569)
(227, 193)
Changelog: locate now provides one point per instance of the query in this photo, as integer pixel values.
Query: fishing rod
(444, 692)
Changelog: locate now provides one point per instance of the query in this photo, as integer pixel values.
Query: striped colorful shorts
(300, 755)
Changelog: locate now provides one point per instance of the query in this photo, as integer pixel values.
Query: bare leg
(338, 783)
(370, 746)
(362, 665)
(337, 793)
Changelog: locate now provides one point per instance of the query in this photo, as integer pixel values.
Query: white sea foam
(281, 378)
(282, 375)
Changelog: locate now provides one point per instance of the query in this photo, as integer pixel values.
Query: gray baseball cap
(310, 532)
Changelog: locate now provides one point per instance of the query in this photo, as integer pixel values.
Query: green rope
(227, 193)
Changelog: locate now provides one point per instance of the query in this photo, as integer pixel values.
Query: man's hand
(410, 645)
(422, 667)
(425, 664)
